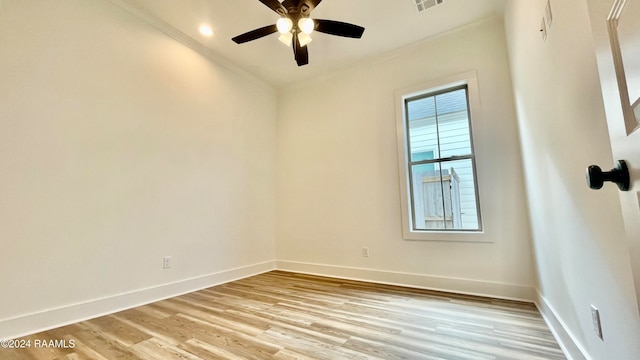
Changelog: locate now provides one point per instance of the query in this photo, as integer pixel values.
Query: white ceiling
(389, 24)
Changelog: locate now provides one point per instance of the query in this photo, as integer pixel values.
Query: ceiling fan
(295, 26)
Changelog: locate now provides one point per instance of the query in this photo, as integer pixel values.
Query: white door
(616, 31)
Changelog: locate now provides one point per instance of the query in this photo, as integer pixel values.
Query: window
(438, 161)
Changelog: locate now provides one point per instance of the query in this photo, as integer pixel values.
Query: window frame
(468, 80)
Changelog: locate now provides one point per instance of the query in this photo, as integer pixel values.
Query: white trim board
(565, 338)
(69, 314)
(420, 281)
(73, 313)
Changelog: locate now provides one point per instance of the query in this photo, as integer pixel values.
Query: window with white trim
(438, 161)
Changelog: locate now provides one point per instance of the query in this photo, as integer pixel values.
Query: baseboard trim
(565, 338)
(429, 282)
(53, 318)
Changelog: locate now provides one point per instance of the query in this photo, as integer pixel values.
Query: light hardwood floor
(280, 315)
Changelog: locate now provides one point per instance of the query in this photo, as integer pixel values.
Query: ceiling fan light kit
(284, 25)
(286, 38)
(295, 27)
(306, 25)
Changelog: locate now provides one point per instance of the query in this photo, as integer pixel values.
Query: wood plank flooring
(280, 315)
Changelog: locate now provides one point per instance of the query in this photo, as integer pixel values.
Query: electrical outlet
(595, 319)
(365, 252)
(166, 262)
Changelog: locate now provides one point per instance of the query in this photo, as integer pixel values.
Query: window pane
(423, 133)
(419, 156)
(444, 197)
(464, 188)
(428, 209)
(453, 124)
(440, 124)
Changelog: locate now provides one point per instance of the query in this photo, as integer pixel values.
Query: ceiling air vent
(422, 5)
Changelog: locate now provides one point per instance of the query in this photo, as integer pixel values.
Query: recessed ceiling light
(206, 30)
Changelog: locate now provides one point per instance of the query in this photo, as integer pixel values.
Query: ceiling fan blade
(339, 28)
(301, 53)
(307, 6)
(255, 34)
(275, 6)
(311, 3)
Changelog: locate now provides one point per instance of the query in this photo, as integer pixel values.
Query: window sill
(447, 236)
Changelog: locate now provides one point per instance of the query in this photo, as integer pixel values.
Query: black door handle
(619, 175)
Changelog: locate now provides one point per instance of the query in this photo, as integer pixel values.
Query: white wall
(581, 255)
(118, 146)
(338, 186)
